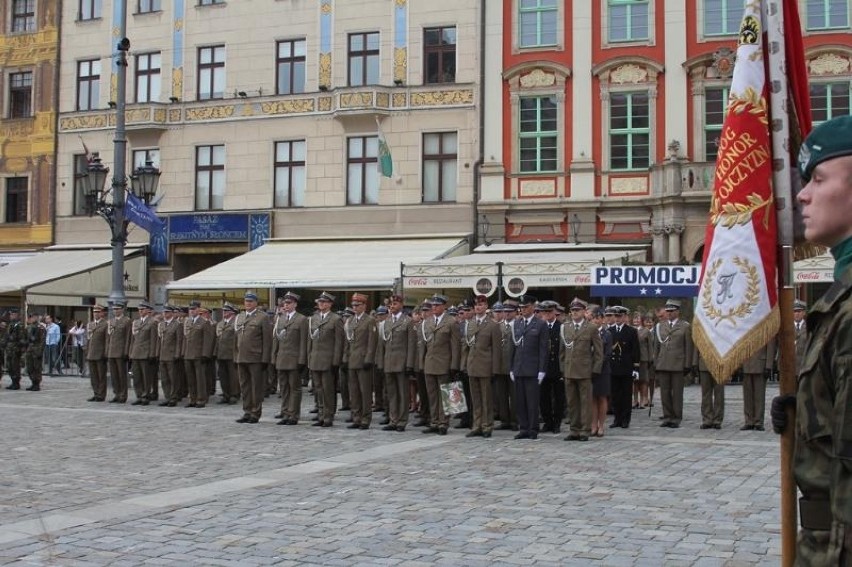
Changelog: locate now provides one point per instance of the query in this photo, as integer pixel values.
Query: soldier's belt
(815, 514)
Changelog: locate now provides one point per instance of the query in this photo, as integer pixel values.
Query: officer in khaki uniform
(712, 397)
(96, 354)
(143, 350)
(675, 357)
(398, 340)
(254, 353)
(226, 343)
(756, 371)
(325, 352)
(360, 354)
(484, 344)
(170, 333)
(504, 315)
(199, 342)
(119, 331)
(442, 352)
(801, 329)
(581, 351)
(290, 354)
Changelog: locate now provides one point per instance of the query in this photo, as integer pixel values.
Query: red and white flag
(737, 309)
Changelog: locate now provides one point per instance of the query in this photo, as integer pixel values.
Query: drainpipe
(477, 166)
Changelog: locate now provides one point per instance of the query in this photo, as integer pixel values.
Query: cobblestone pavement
(103, 484)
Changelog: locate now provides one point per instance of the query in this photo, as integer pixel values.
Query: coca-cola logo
(416, 282)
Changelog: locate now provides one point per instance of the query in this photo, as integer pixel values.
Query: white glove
(511, 376)
(540, 377)
(635, 374)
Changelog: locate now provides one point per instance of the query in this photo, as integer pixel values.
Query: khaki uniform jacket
(398, 341)
(675, 352)
(325, 341)
(764, 359)
(361, 339)
(647, 352)
(120, 333)
(226, 339)
(290, 342)
(254, 338)
(200, 337)
(97, 334)
(581, 351)
(484, 344)
(143, 344)
(420, 355)
(171, 340)
(507, 347)
(442, 345)
(801, 344)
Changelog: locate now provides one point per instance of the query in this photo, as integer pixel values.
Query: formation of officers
(529, 364)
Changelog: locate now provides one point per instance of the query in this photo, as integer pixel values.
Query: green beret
(827, 141)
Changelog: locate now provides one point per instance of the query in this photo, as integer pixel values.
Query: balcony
(144, 116)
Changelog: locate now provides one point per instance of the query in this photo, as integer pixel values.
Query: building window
(81, 166)
(629, 131)
(439, 55)
(21, 95)
(715, 106)
(89, 10)
(16, 199)
(211, 72)
(363, 59)
(209, 178)
(142, 157)
(147, 6)
(722, 17)
(538, 135)
(440, 167)
(290, 174)
(88, 84)
(210, 2)
(628, 20)
(829, 100)
(538, 22)
(362, 169)
(291, 66)
(148, 77)
(827, 14)
(23, 16)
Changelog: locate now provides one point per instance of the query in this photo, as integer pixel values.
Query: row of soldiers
(23, 345)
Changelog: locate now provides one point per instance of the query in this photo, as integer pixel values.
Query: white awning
(65, 276)
(819, 269)
(336, 264)
(543, 265)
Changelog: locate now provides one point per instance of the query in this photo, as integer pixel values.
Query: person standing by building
(254, 352)
(674, 360)
(96, 353)
(325, 353)
(483, 341)
(822, 462)
(77, 342)
(53, 340)
(119, 334)
(398, 337)
(143, 352)
(16, 341)
(624, 365)
(529, 366)
(199, 341)
(360, 353)
(553, 386)
(757, 370)
(290, 353)
(34, 356)
(169, 346)
(801, 331)
(442, 342)
(712, 398)
(226, 342)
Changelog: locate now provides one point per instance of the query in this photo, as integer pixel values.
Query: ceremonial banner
(737, 308)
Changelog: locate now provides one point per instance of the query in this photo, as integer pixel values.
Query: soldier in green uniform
(16, 342)
(35, 336)
(822, 463)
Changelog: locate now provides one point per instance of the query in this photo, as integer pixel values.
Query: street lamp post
(144, 180)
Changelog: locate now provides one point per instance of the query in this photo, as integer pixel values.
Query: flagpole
(783, 193)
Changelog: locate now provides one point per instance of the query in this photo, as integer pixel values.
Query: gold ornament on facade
(135, 115)
(382, 100)
(326, 7)
(629, 73)
(829, 64)
(247, 110)
(749, 302)
(537, 78)
(324, 104)
(325, 70)
(210, 113)
(442, 98)
(113, 86)
(356, 100)
(399, 100)
(84, 122)
(16, 165)
(116, 31)
(29, 49)
(177, 82)
(288, 106)
(400, 63)
(178, 24)
(400, 2)
(159, 115)
(175, 115)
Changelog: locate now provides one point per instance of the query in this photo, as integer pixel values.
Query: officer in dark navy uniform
(624, 364)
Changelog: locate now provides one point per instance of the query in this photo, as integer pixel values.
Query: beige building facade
(270, 113)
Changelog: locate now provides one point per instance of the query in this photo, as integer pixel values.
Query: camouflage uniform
(35, 335)
(16, 341)
(823, 456)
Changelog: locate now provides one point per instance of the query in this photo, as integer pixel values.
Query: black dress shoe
(14, 387)
(486, 434)
(94, 399)
(522, 435)
(190, 405)
(533, 435)
(474, 433)
(421, 423)
(283, 422)
(199, 405)
(244, 419)
(253, 420)
(292, 422)
(317, 424)
(615, 424)
(717, 426)
(223, 401)
(315, 418)
(583, 438)
(572, 437)
(400, 428)
(171, 403)
(504, 427)
(327, 424)
(137, 403)
(746, 428)
(145, 402)
(349, 420)
(364, 426)
(442, 431)
(705, 426)
(389, 428)
(315, 410)
(278, 415)
(33, 389)
(664, 424)
(164, 403)
(114, 401)
(430, 430)
(353, 426)
(625, 426)
(673, 425)
(759, 428)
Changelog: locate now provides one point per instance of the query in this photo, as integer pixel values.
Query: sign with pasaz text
(253, 228)
(645, 281)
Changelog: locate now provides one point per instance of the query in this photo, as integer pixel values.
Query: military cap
(672, 305)
(183, 310)
(359, 298)
(398, 298)
(546, 305)
(96, 307)
(609, 310)
(348, 312)
(230, 308)
(249, 296)
(510, 305)
(598, 312)
(145, 305)
(453, 311)
(829, 140)
(438, 299)
(560, 308)
(195, 304)
(497, 307)
(621, 310)
(799, 305)
(203, 309)
(481, 299)
(119, 305)
(381, 310)
(325, 296)
(525, 300)
(426, 306)
(291, 296)
(465, 305)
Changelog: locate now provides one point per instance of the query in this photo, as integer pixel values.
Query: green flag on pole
(385, 159)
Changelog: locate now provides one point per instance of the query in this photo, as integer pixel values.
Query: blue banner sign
(253, 228)
(645, 281)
